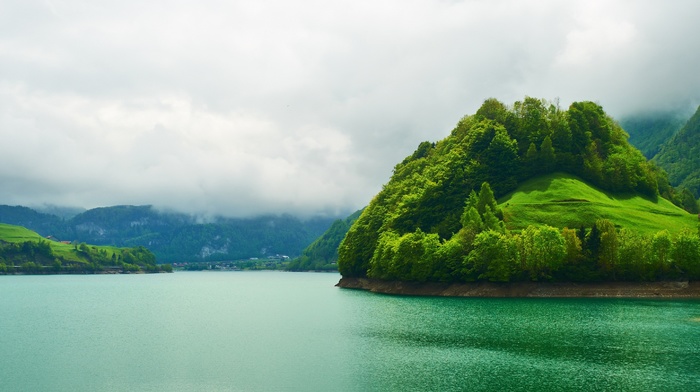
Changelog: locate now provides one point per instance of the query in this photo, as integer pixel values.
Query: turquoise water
(273, 331)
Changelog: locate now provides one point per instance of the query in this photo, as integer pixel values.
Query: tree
(471, 220)
(486, 198)
(661, 253)
(547, 158)
(493, 109)
(449, 259)
(688, 202)
(592, 244)
(491, 222)
(561, 133)
(383, 255)
(685, 254)
(573, 246)
(550, 246)
(543, 249)
(493, 257)
(634, 256)
(501, 162)
(607, 255)
(530, 161)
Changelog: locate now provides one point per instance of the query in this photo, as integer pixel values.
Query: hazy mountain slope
(322, 254)
(649, 131)
(680, 156)
(176, 237)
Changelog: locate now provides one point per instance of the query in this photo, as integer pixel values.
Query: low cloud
(243, 108)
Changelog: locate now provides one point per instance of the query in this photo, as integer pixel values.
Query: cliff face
(528, 289)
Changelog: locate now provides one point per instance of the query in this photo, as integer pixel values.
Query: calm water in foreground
(273, 331)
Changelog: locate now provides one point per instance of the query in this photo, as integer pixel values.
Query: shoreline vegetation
(663, 289)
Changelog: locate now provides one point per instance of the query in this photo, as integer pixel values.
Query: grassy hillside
(23, 250)
(15, 234)
(19, 234)
(562, 200)
(680, 156)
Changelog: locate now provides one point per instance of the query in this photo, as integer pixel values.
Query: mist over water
(272, 331)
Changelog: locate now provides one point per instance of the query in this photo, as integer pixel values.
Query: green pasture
(563, 200)
(18, 234)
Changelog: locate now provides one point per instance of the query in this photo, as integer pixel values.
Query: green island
(23, 251)
(527, 199)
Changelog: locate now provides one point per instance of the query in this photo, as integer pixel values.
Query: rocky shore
(528, 289)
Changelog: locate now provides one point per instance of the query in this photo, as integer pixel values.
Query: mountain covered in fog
(175, 237)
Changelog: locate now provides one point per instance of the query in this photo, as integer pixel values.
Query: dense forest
(437, 218)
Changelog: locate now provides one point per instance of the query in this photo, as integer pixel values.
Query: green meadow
(19, 234)
(25, 251)
(563, 200)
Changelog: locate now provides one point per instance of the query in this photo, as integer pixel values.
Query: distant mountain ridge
(175, 237)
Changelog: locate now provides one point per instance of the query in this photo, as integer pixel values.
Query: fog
(240, 108)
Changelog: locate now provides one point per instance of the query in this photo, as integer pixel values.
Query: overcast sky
(247, 107)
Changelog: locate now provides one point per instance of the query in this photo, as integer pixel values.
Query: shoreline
(666, 289)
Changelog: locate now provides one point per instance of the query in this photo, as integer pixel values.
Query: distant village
(272, 262)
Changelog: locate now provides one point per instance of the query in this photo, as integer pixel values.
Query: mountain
(61, 212)
(322, 254)
(175, 237)
(437, 219)
(46, 224)
(680, 156)
(649, 131)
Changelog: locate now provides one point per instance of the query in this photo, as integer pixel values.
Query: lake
(276, 331)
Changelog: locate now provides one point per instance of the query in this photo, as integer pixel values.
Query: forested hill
(174, 237)
(680, 156)
(428, 214)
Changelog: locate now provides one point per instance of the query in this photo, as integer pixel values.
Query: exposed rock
(528, 289)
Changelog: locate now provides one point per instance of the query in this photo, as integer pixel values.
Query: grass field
(562, 200)
(14, 234)
(17, 234)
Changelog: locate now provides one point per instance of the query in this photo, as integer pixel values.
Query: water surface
(273, 331)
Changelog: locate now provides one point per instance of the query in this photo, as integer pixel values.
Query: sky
(240, 108)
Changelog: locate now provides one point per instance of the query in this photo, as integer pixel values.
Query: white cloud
(297, 106)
